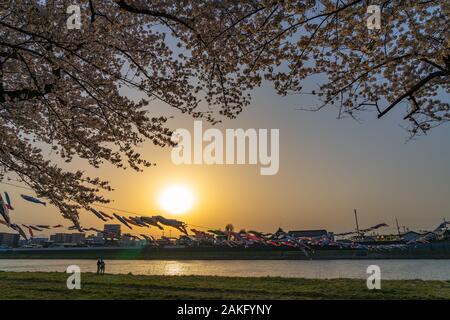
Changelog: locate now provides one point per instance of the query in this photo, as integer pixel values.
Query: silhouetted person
(102, 267)
(99, 266)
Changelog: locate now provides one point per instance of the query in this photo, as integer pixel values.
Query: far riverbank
(208, 253)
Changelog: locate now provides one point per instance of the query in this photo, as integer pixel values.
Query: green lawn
(37, 285)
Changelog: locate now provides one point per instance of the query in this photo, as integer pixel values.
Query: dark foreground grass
(43, 285)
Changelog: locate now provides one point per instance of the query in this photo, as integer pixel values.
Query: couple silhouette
(100, 266)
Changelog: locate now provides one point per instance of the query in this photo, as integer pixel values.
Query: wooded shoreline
(142, 253)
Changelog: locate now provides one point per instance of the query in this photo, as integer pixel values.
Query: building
(61, 238)
(411, 236)
(9, 240)
(38, 241)
(308, 233)
(279, 232)
(95, 240)
(75, 238)
(429, 236)
(127, 241)
(112, 231)
(446, 234)
(78, 238)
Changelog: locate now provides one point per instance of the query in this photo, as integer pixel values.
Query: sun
(176, 199)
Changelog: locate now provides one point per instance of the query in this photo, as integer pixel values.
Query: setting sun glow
(176, 199)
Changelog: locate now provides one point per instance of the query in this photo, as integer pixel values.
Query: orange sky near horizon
(328, 167)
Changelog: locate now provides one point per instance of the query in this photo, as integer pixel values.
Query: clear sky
(328, 167)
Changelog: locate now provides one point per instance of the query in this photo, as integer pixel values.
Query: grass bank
(52, 285)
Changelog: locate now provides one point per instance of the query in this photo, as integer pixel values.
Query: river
(321, 269)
